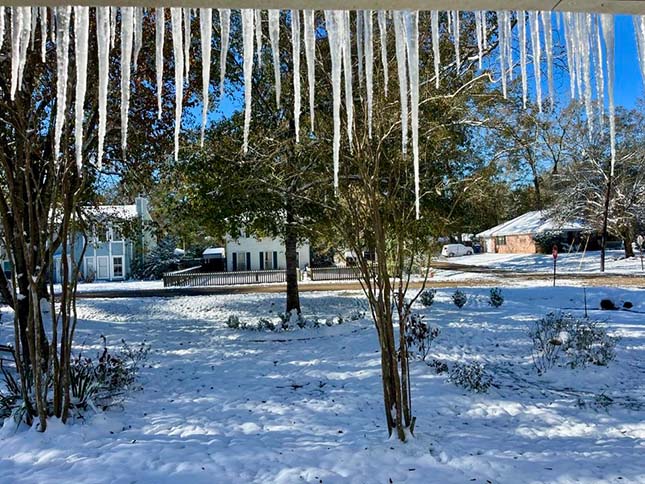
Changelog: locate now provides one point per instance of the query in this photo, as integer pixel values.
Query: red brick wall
(517, 244)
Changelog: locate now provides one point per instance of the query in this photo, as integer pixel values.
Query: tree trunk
(605, 221)
(291, 254)
(627, 241)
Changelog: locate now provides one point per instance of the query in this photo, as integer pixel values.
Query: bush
(427, 297)
(578, 341)
(547, 239)
(459, 298)
(419, 335)
(233, 322)
(438, 366)
(496, 298)
(471, 376)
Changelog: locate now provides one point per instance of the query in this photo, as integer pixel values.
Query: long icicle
(81, 37)
(178, 51)
(434, 21)
(382, 27)
(225, 30)
(138, 35)
(127, 24)
(310, 56)
(247, 38)
(187, 35)
(521, 20)
(2, 26)
(548, 46)
(16, 31)
(295, 51)
(274, 38)
(43, 32)
(63, 15)
(332, 19)
(346, 43)
(160, 27)
(401, 63)
(501, 35)
(639, 31)
(103, 41)
(206, 31)
(412, 39)
(368, 32)
(534, 22)
(478, 31)
(608, 33)
(258, 34)
(456, 32)
(359, 45)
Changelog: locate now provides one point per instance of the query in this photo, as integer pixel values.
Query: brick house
(517, 236)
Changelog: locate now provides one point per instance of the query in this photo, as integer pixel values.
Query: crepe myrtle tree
(42, 195)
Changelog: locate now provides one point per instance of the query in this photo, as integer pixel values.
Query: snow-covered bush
(471, 376)
(459, 298)
(265, 324)
(419, 335)
(102, 381)
(427, 297)
(496, 298)
(561, 338)
(233, 322)
(438, 366)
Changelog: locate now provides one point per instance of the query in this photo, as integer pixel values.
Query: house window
(240, 261)
(267, 261)
(117, 266)
(90, 269)
(116, 234)
(500, 240)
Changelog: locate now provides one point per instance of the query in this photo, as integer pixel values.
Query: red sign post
(554, 252)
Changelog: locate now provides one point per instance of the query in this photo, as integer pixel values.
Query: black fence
(334, 273)
(194, 278)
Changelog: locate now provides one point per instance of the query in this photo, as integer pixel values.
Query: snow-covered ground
(224, 406)
(567, 262)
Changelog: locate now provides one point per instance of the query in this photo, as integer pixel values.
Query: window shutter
(248, 261)
(275, 260)
(261, 260)
(234, 268)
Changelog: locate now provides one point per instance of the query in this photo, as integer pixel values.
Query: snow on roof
(531, 223)
(213, 251)
(114, 211)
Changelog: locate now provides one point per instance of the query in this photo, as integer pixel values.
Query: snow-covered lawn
(567, 262)
(225, 406)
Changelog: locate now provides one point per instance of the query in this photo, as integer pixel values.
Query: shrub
(547, 239)
(459, 298)
(419, 335)
(438, 366)
(579, 341)
(427, 297)
(265, 324)
(472, 376)
(496, 298)
(233, 322)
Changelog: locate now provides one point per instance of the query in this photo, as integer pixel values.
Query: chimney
(141, 204)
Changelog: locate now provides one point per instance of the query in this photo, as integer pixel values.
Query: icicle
(247, 38)
(569, 44)
(434, 20)
(274, 38)
(369, 66)
(258, 34)
(534, 22)
(138, 34)
(127, 24)
(599, 74)
(412, 39)
(113, 18)
(160, 28)
(63, 15)
(501, 34)
(508, 27)
(608, 33)
(295, 51)
(103, 41)
(478, 31)
(178, 51)
(34, 24)
(521, 20)
(382, 27)
(401, 63)
(43, 33)
(548, 46)
(225, 29)
(639, 31)
(484, 30)
(187, 32)
(346, 42)
(585, 41)
(206, 30)
(81, 38)
(332, 20)
(25, 34)
(1, 26)
(53, 28)
(310, 56)
(456, 37)
(16, 30)
(359, 45)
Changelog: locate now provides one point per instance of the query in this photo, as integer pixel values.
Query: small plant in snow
(496, 298)
(438, 366)
(459, 298)
(233, 322)
(578, 341)
(427, 297)
(265, 324)
(472, 376)
(420, 335)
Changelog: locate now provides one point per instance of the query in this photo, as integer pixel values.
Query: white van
(456, 250)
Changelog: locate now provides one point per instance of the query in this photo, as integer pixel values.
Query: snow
(531, 223)
(574, 262)
(305, 406)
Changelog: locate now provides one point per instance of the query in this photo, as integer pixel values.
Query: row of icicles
(589, 40)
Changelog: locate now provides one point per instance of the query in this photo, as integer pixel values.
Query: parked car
(455, 250)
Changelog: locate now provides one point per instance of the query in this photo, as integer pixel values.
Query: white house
(266, 253)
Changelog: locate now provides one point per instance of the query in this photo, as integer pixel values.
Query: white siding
(255, 246)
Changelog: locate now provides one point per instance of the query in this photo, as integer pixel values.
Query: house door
(103, 269)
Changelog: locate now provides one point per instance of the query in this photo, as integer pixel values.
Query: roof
(115, 211)
(532, 223)
(213, 251)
